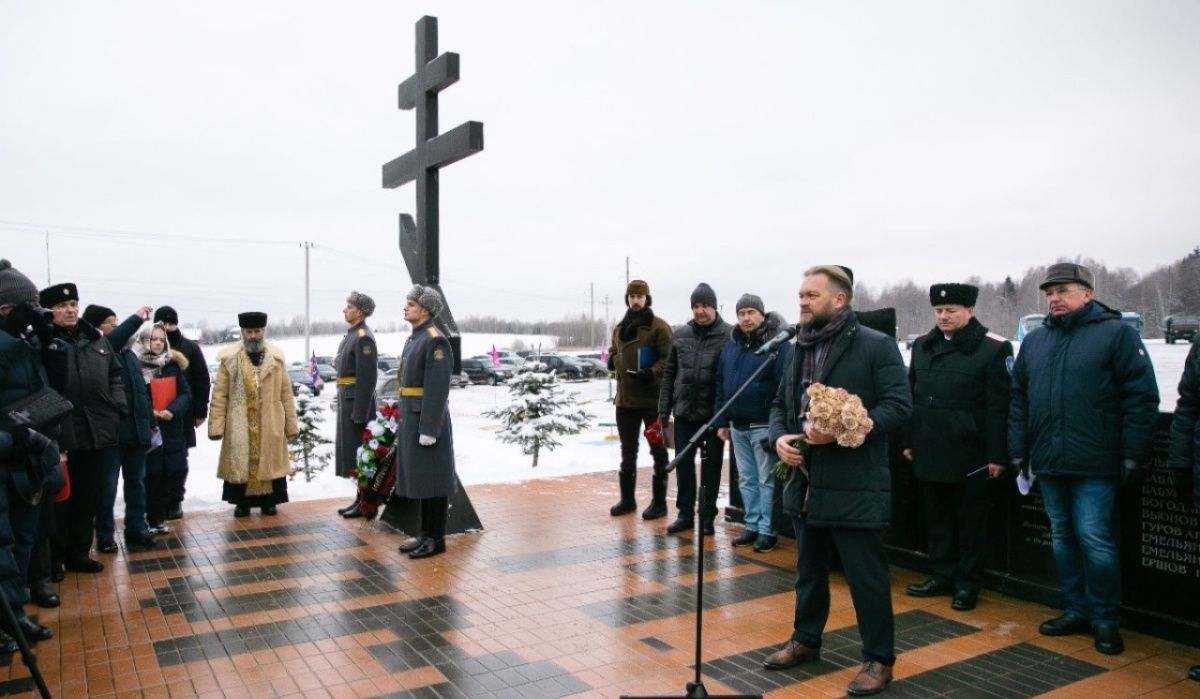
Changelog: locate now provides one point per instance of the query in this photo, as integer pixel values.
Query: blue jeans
(755, 482)
(1085, 550)
(133, 469)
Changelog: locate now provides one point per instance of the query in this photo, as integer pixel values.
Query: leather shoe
(106, 546)
(873, 678)
(412, 544)
(429, 547)
(57, 572)
(708, 529)
(33, 631)
(1065, 625)
(140, 540)
(269, 510)
(8, 644)
(43, 595)
(174, 512)
(746, 538)
(1194, 673)
(1108, 639)
(241, 511)
(84, 565)
(347, 508)
(792, 654)
(964, 600)
(680, 524)
(765, 543)
(656, 510)
(353, 512)
(929, 588)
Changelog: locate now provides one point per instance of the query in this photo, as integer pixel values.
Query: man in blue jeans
(1082, 418)
(748, 419)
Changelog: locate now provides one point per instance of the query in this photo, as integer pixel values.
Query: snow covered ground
(481, 458)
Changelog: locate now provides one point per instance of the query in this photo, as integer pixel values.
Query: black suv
(482, 371)
(566, 367)
(300, 377)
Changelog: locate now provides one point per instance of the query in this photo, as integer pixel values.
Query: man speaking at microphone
(847, 501)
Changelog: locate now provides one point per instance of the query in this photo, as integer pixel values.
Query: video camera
(28, 320)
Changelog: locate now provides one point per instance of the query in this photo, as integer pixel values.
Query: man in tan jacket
(254, 411)
(640, 345)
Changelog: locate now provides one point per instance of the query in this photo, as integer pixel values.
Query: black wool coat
(92, 382)
(850, 488)
(960, 392)
(198, 381)
(1185, 430)
(689, 385)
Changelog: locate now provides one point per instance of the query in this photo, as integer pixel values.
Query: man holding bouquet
(841, 498)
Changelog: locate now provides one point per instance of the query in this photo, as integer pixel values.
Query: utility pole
(47, 258)
(307, 320)
(607, 322)
(627, 270)
(592, 323)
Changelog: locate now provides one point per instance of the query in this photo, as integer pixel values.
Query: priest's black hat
(252, 319)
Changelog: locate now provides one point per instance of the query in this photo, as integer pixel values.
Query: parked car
(566, 366)
(387, 387)
(598, 367)
(326, 372)
(1181, 327)
(301, 379)
(482, 371)
(388, 361)
(908, 341)
(460, 380)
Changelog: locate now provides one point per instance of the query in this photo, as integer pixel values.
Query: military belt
(412, 391)
(347, 380)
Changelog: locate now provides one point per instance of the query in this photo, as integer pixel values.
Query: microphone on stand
(783, 336)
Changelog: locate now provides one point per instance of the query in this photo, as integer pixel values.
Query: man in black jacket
(1082, 419)
(957, 438)
(845, 500)
(1185, 440)
(200, 384)
(90, 434)
(688, 389)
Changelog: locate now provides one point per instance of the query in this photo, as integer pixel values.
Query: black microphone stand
(695, 689)
(27, 656)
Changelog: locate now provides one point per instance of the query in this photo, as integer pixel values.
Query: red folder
(162, 392)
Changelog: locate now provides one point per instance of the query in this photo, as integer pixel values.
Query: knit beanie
(705, 295)
(96, 315)
(14, 286)
(751, 301)
(166, 314)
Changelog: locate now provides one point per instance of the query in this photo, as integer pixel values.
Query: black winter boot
(627, 504)
(658, 505)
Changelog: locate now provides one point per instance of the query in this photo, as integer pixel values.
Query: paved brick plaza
(556, 598)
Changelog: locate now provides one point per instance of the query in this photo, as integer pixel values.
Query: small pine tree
(305, 447)
(539, 411)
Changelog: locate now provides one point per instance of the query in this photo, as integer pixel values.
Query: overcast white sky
(179, 152)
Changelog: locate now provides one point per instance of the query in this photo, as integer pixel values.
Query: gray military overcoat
(425, 368)
(357, 364)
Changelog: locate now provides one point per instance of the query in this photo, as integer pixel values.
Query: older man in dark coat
(357, 366)
(844, 503)
(425, 443)
(957, 438)
(1185, 440)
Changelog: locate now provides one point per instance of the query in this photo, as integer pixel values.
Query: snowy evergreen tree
(539, 411)
(306, 447)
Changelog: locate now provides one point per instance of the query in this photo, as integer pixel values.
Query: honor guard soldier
(357, 365)
(425, 444)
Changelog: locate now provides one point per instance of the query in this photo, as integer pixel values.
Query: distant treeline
(1169, 289)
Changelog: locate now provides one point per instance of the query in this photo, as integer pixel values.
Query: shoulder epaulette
(433, 332)
(996, 337)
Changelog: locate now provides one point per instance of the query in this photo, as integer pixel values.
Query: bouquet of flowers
(376, 462)
(836, 412)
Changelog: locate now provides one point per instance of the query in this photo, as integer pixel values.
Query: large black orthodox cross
(419, 240)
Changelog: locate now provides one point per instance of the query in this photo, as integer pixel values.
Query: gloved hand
(645, 375)
(1182, 481)
(426, 441)
(1020, 466)
(1132, 472)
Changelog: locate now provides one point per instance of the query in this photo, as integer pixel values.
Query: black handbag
(44, 408)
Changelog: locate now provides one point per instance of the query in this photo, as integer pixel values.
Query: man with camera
(27, 455)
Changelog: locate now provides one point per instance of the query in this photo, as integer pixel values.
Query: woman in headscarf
(163, 371)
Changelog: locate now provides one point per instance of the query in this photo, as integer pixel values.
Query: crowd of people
(1076, 411)
(87, 398)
